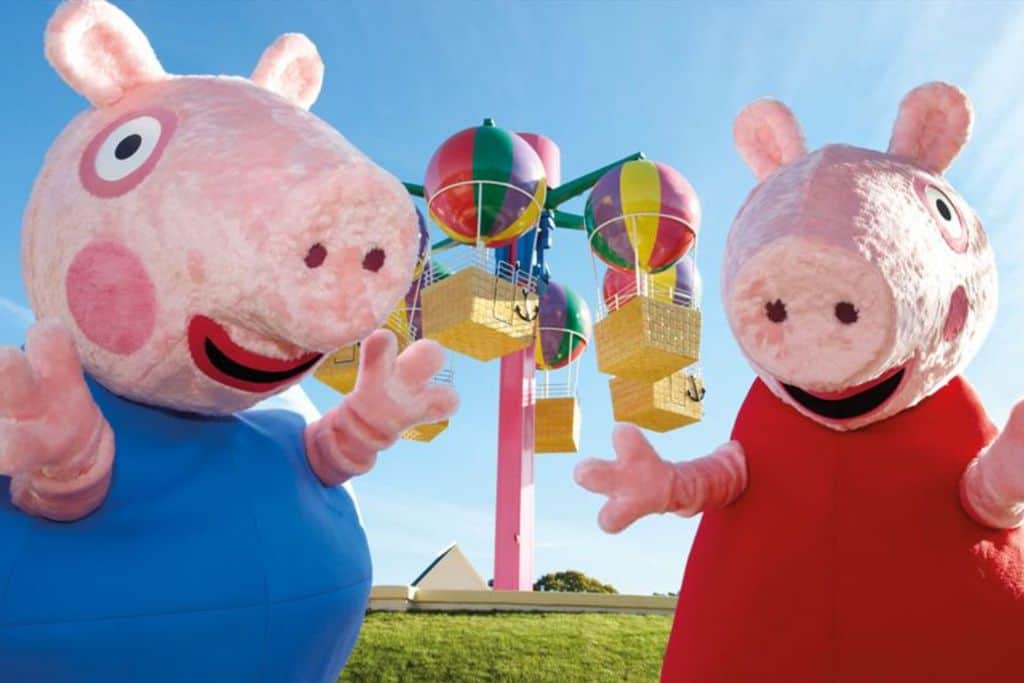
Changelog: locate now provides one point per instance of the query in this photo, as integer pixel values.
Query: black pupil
(129, 146)
(943, 209)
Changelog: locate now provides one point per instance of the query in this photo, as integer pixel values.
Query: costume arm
(992, 487)
(393, 393)
(55, 443)
(639, 483)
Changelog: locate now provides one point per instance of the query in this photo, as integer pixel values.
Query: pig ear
(291, 68)
(933, 125)
(767, 136)
(99, 51)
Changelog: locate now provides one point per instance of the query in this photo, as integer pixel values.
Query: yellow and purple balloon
(642, 215)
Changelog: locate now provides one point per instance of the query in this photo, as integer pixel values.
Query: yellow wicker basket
(556, 425)
(340, 369)
(669, 403)
(647, 340)
(425, 432)
(474, 313)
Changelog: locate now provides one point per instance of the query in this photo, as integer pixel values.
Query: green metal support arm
(574, 188)
(571, 221)
(444, 245)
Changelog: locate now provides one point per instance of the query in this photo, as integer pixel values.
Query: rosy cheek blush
(111, 297)
(956, 319)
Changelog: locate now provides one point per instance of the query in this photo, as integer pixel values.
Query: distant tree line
(572, 581)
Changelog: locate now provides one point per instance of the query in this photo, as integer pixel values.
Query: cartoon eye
(121, 156)
(944, 211)
(126, 148)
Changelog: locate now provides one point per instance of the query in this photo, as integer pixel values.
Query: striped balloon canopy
(679, 285)
(486, 184)
(642, 215)
(563, 327)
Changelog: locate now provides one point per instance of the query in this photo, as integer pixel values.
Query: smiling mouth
(850, 403)
(226, 362)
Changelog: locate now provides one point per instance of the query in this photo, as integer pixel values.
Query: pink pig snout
(813, 314)
(338, 252)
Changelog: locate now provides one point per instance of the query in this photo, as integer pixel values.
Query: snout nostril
(775, 310)
(316, 256)
(847, 313)
(374, 260)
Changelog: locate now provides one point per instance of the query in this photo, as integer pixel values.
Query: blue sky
(603, 80)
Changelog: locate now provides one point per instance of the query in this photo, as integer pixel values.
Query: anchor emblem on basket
(694, 391)
(529, 315)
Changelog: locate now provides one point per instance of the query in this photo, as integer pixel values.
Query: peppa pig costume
(194, 245)
(863, 524)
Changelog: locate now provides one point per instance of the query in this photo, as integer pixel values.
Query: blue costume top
(217, 556)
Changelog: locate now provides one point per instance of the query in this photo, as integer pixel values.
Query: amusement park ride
(486, 292)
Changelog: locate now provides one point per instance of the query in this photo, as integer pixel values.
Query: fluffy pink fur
(393, 393)
(54, 443)
(292, 68)
(845, 224)
(933, 125)
(639, 483)
(850, 224)
(257, 182)
(100, 51)
(768, 136)
(240, 182)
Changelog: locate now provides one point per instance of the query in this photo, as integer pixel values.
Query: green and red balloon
(563, 327)
(485, 184)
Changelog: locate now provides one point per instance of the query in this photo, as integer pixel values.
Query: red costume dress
(849, 558)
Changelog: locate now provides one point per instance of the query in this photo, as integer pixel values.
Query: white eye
(945, 212)
(127, 148)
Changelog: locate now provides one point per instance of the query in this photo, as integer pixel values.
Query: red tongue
(852, 391)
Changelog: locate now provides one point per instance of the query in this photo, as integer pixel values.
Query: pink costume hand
(392, 394)
(54, 442)
(640, 483)
(992, 488)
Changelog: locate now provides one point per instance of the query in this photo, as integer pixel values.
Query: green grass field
(529, 647)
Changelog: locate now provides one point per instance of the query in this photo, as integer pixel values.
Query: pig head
(206, 238)
(856, 282)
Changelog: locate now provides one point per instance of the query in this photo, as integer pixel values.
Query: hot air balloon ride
(563, 331)
(485, 187)
(485, 291)
(642, 219)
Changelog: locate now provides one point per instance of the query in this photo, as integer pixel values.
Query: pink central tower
(514, 506)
